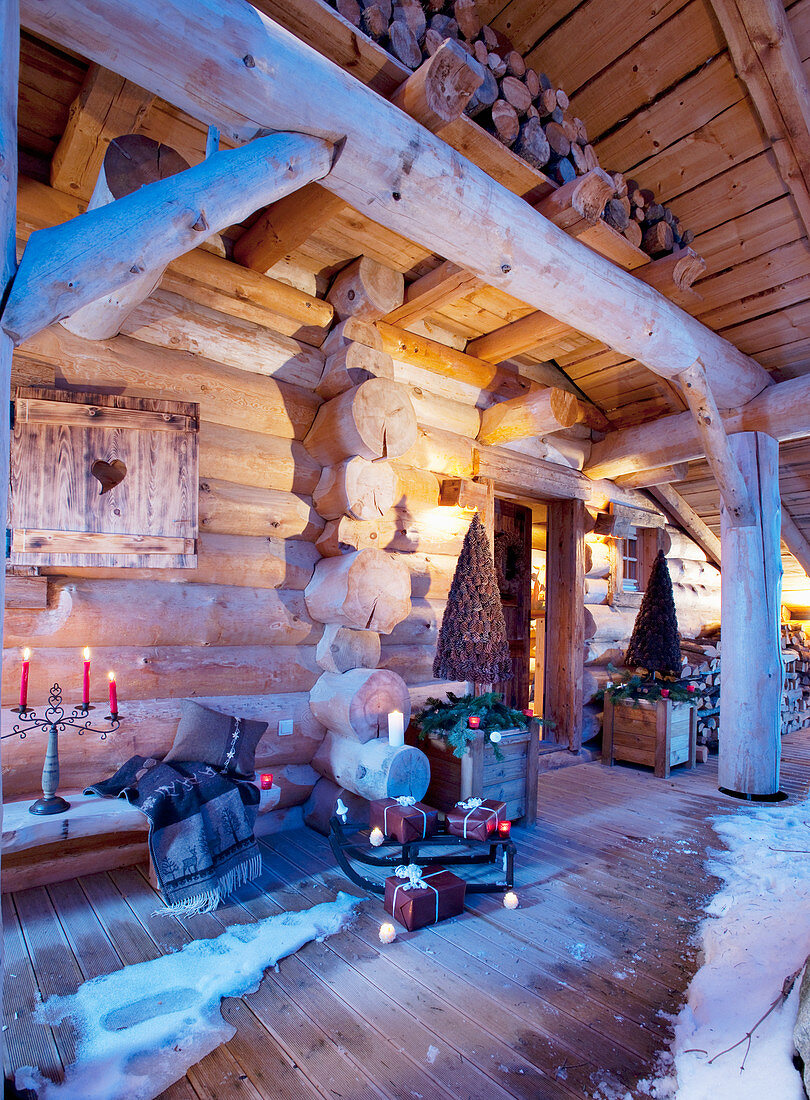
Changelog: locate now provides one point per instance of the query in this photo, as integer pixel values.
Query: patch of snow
(140, 1028)
(431, 1054)
(756, 934)
(580, 951)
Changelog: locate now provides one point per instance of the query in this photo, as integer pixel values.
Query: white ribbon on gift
(408, 801)
(472, 804)
(413, 873)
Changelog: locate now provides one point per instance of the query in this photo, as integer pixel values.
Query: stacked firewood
(700, 660)
(796, 691)
(516, 103)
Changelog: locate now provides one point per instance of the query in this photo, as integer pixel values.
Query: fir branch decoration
(632, 687)
(472, 641)
(447, 719)
(655, 641)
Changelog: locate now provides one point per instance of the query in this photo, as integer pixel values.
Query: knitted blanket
(200, 828)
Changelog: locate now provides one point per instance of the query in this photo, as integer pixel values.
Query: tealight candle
(376, 836)
(266, 780)
(665, 693)
(396, 729)
(504, 828)
(387, 933)
(510, 900)
(474, 722)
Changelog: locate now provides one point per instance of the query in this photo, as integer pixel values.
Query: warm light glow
(26, 654)
(504, 828)
(86, 654)
(111, 677)
(387, 933)
(376, 836)
(266, 780)
(510, 900)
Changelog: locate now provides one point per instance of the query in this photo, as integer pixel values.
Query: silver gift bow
(470, 804)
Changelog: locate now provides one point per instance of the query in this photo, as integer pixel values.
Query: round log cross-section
(375, 769)
(366, 289)
(359, 488)
(341, 648)
(374, 420)
(368, 589)
(357, 703)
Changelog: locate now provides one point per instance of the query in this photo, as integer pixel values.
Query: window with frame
(631, 562)
(629, 549)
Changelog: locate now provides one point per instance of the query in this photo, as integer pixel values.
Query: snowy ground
(140, 1028)
(756, 934)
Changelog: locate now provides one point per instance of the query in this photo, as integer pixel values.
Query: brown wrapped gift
(404, 823)
(441, 896)
(476, 819)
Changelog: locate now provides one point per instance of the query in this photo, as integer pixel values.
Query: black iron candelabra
(55, 721)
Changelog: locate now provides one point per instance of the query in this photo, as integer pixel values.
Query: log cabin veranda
(500, 299)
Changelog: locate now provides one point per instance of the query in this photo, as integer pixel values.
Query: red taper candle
(86, 679)
(113, 694)
(24, 679)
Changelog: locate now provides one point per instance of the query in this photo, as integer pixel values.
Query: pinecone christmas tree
(655, 641)
(472, 641)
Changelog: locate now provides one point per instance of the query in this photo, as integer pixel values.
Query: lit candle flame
(86, 653)
(111, 677)
(510, 900)
(387, 933)
(376, 836)
(26, 654)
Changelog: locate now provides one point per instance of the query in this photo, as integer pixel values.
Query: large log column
(565, 621)
(374, 769)
(751, 691)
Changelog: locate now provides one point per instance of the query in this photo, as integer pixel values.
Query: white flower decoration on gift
(470, 804)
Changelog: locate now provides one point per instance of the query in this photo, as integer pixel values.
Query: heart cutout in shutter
(108, 474)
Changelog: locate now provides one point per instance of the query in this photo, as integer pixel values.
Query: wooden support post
(9, 77)
(80, 261)
(751, 687)
(733, 490)
(384, 155)
(565, 621)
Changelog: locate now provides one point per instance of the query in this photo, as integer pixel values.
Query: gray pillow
(216, 739)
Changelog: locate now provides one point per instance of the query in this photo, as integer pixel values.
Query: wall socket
(285, 727)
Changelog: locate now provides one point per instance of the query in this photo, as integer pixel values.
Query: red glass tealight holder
(504, 828)
(266, 780)
(474, 722)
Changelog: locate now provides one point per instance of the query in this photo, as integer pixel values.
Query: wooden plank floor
(565, 994)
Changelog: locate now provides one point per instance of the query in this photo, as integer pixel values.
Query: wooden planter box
(661, 735)
(479, 774)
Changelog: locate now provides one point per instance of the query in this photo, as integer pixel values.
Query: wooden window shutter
(102, 480)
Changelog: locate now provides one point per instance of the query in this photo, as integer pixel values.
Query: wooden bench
(95, 834)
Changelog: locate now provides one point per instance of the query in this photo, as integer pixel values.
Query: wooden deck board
(547, 1001)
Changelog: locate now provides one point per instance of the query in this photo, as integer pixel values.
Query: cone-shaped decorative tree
(472, 641)
(655, 642)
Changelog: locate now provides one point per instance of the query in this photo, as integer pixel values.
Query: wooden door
(513, 564)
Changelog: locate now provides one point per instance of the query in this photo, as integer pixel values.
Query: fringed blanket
(200, 828)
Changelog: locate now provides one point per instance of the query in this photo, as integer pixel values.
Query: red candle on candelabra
(113, 695)
(86, 679)
(24, 679)
(266, 780)
(504, 828)
(474, 722)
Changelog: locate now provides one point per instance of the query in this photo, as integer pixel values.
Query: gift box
(476, 819)
(418, 896)
(404, 820)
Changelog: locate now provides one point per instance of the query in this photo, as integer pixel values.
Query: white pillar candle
(396, 729)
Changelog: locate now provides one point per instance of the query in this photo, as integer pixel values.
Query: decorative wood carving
(102, 480)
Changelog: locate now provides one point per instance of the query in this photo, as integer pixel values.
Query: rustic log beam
(366, 590)
(578, 204)
(78, 262)
(733, 490)
(437, 93)
(751, 686)
(357, 703)
(106, 107)
(660, 475)
(483, 228)
(538, 413)
(685, 516)
(445, 284)
(374, 769)
(518, 336)
(436, 357)
(767, 60)
(366, 289)
(342, 648)
(795, 540)
(130, 162)
(374, 420)
(782, 410)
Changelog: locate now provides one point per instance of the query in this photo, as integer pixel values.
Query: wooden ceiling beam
(107, 107)
(76, 263)
(686, 517)
(795, 540)
(539, 413)
(767, 59)
(516, 337)
(660, 475)
(446, 283)
(407, 179)
(783, 411)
